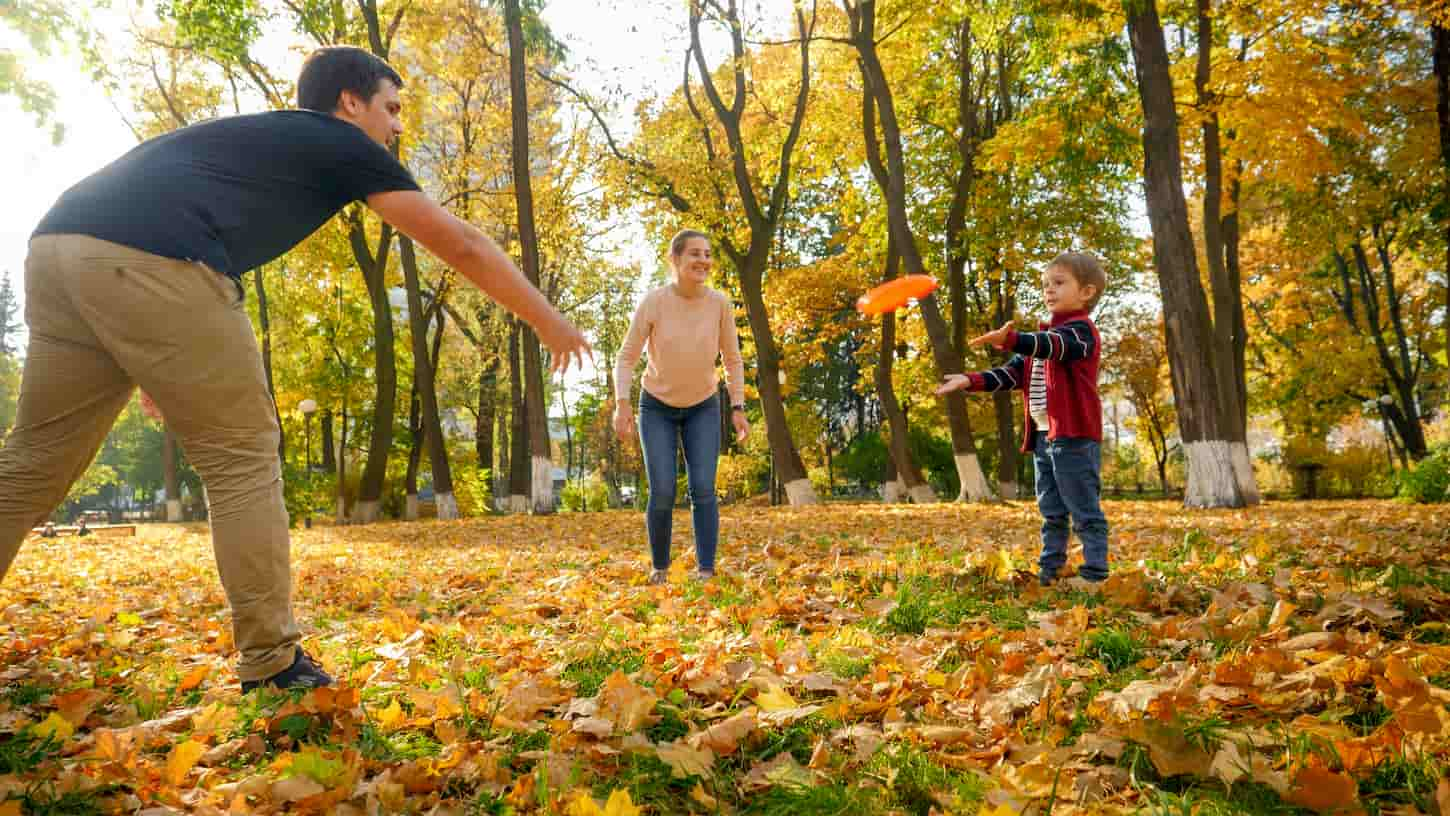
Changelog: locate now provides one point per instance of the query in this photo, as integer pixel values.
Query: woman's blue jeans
(661, 428)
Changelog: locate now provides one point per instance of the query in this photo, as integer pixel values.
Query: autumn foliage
(867, 658)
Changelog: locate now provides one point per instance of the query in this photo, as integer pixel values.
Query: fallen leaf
(181, 759)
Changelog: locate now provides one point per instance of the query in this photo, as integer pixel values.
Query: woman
(683, 325)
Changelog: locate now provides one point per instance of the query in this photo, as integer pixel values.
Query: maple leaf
(181, 759)
(54, 726)
(1325, 791)
(618, 804)
(685, 760)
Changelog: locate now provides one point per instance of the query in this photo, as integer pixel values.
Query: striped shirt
(1037, 396)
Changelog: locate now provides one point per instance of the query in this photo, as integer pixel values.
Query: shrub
(1428, 480)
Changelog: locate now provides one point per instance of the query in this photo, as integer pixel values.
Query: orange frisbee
(894, 294)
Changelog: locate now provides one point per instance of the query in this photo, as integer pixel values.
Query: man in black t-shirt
(133, 278)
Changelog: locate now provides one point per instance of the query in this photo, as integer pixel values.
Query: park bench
(101, 530)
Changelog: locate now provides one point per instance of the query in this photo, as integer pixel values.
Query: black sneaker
(303, 673)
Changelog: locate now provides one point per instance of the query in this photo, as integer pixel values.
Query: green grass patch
(835, 799)
(400, 747)
(847, 667)
(588, 673)
(651, 784)
(21, 695)
(671, 725)
(919, 786)
(1115, 648)
(22, 752)
(1402, 780)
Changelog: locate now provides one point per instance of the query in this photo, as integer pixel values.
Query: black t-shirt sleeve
(367, 167)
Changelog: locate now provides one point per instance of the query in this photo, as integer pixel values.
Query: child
(1058, 368)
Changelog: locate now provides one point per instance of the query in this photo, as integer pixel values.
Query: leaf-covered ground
(850, 659)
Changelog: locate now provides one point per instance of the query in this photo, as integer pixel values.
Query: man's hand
(742, 425)
(566, 343)
(148, 407)
(997, 337)
(954, 382)
(623, 422)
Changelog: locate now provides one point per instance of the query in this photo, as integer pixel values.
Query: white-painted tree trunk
(543, 484)
(366, 512)
(1009, 490)
(801, 491)
(923, 494)
(173, 509)
(893, 491)
(447, 506)
(410, 507)
(974, 481)
(518, 503)
(1244, 471)
(1214, 475)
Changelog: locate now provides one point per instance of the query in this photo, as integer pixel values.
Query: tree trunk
(264, 319)
(1229, 332)
(342, 466)
(1441, 36)
(1214, 476)
(1403, 377)
(905, 469)
(374, 267)
(520, 473)
(168, 471)
(416, 433)
(891, 178)
(425, 363)
(329, 454)
(487, 408)
(541, 467)
(764, 221)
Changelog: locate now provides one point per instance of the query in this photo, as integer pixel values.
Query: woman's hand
(623, 422)
(742, 425)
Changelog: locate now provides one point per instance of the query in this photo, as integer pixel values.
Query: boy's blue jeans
(1069, 486)
(698, 427)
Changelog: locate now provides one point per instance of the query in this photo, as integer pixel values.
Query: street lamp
(308, 407)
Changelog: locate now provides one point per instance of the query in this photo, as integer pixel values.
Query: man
(133, 279)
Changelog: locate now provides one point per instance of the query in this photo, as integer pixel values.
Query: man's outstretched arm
(463, 247)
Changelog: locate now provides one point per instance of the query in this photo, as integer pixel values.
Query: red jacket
(1070, 347)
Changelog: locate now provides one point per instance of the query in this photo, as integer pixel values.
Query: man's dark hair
(329, 71)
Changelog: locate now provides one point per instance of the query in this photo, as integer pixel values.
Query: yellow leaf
(619, 804)
(583, 805)
(999, 810)
(392, 716)
(10, 808)
(775, 698)
(53, 726)
(936, 679)
(181, 760)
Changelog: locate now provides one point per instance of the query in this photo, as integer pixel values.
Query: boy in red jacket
(1058, 368)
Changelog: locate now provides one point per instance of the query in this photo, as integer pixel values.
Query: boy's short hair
(329, 71)
(1086, 269)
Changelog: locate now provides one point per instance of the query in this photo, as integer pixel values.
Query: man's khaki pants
(105, 318)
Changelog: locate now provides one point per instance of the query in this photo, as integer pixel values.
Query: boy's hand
(997, 337)
(954, 382)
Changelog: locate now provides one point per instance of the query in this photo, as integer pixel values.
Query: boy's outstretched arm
(1073, 340)
(1006, 377)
